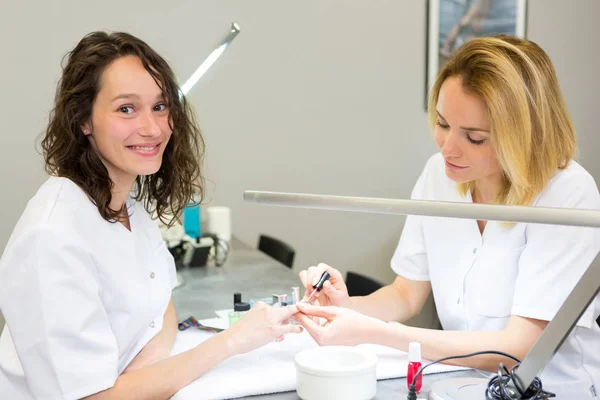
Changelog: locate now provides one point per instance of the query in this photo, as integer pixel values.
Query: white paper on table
(223, 313)
(271, 368)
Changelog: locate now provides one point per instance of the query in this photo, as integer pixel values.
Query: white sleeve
(410, 258)
(61, 332)
(555, 257)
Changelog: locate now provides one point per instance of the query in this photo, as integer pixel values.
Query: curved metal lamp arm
(210, 60)
(540, 215)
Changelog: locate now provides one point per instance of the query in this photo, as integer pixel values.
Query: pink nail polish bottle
(414, 363)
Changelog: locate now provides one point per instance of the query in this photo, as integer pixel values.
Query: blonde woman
(505, 137)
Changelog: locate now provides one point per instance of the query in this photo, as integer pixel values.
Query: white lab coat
(479, 281)
(81, 296)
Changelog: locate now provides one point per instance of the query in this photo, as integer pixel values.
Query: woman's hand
(261, 325)
(334, 292)
(342, 326)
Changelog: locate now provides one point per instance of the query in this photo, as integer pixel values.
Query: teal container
(191, 221)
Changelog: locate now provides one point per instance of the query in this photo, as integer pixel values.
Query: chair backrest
(277, 249)
(360, 285)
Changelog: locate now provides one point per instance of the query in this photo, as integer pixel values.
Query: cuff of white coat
(411, 275)
(586, 320)
(96, 387)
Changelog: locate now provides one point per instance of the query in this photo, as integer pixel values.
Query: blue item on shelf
(191, 221)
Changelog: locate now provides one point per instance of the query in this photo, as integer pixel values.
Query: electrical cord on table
(497, 388)
(223, 246)
(221, 249)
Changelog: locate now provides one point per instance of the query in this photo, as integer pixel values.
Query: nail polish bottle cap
(241, 306)
(324, 277)
(237, 297)
(414, 352)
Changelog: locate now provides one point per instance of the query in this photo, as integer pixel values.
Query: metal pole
(540, 215)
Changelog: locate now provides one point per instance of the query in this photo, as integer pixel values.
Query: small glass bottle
(239, 310)
(295, 294)
(414, 363)
(295, 299)
(279, 300)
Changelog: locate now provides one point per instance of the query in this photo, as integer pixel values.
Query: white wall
(569, 32)
(319, 96)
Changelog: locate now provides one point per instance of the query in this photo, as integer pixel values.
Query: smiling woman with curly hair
(167, 174)
(87, 262)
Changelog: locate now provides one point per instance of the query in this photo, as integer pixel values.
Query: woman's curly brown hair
(68, 152)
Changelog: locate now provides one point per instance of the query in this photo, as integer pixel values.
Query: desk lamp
(557, 330)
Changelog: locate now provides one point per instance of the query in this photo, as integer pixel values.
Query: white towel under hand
(271, 368)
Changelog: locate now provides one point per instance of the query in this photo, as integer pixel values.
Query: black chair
(360, 285)
(277, 249)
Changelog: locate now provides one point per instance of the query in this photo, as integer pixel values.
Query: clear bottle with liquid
(295, 294)
(295, 299)
(239, 310)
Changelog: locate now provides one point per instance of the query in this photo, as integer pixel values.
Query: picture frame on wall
(450, 23)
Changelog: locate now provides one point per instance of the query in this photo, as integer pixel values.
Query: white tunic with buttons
(480, 280)
(81, 296)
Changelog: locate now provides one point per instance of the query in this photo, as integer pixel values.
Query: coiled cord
(498, 387)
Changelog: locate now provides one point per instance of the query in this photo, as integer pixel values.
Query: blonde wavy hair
(531, 130)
